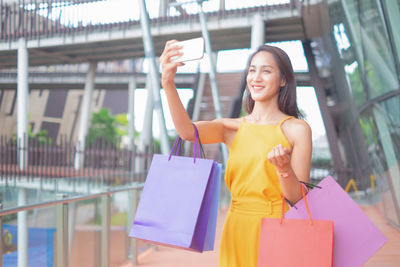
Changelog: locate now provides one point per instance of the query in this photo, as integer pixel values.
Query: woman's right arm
(209, 131)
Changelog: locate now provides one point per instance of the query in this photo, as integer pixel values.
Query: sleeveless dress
(255, 191)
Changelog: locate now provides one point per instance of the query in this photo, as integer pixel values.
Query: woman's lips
(257, 87)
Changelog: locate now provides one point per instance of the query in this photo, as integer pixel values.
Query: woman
(269, 149)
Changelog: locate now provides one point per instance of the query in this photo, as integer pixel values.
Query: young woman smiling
(269, 149)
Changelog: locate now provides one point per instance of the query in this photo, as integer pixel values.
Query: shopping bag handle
(197, 145)
(302, 186)
(308, 186)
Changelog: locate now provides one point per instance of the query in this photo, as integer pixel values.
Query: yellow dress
(255, 191)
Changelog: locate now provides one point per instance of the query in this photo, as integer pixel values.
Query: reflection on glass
(379, 66)
(383, 124)
(41, 226)
(393, 15)
(354, 79)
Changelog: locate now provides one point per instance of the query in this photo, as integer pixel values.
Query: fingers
(168, 67)
(280, 156)
(170, 50)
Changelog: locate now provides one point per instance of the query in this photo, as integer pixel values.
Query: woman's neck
(265, 112)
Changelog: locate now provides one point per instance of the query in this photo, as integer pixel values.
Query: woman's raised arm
(210, 131)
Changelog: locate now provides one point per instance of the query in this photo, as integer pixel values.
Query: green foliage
(122, 124)
(41, 137)
(103, 126)
(369, 130)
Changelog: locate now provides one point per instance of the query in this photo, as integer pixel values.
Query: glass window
(350, 8)
(392, 110)
(379, 66)
(354, 79)
(392, 9)
(388, 129)
(374, 146)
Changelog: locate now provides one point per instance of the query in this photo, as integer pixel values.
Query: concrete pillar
(163, 8)
(22, 245)
(22, 100)
(85, 114)
(146, 134)
(131, 123)
(131, 111)
(147, 130)
(221, 5)
(257, 32)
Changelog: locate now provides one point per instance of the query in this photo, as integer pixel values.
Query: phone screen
(192, 49)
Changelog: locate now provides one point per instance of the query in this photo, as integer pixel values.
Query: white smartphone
(192, 49)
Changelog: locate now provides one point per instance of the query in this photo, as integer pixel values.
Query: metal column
(199, 97)
(105, 230)
(197, 102)
(62, 235)
(1, 236)
(22, 96)
(85, 114)
(154, 74)
(212, 73)
(22, 230)
(326, 115)
(132, 207)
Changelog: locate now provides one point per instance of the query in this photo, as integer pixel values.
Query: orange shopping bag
(295, 242)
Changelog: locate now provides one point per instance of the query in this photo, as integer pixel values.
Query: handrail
(33, 21)
(67, 200)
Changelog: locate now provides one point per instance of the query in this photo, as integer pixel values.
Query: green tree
(103, 127)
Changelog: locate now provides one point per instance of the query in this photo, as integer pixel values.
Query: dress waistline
(262, 208)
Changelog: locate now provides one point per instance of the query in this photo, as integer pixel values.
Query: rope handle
(302, 186)
(197, 144)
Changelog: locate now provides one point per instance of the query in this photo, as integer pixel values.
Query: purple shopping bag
(356, 238)
(178, 204)
(212, 221)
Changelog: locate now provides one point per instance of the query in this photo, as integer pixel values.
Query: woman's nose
(257, 75)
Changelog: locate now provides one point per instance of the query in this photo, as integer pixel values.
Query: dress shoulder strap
(285, 119)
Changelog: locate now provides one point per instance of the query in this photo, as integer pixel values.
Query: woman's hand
(279, 156)
(169, 68)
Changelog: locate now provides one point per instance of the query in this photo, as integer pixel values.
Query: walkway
(387, 256)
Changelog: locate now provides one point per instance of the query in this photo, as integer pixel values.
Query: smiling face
(264, 77)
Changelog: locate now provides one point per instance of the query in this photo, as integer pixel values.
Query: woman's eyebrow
(263, 66)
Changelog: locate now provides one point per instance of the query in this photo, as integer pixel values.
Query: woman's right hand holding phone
(168, 66)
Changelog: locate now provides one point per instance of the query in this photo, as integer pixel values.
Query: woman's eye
(266, 71)
(252, 70)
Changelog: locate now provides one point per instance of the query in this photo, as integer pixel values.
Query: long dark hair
(287, 102)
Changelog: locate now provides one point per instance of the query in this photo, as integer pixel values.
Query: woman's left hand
(279, 156)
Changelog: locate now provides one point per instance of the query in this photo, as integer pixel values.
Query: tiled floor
(387, 256)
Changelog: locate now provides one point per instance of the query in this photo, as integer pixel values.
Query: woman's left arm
(293, 165)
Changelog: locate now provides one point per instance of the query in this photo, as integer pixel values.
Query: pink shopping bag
(295, 242)
(356, 237)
